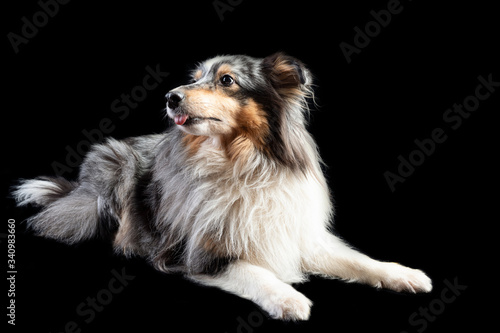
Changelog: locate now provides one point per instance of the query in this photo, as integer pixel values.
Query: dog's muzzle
(173, 99)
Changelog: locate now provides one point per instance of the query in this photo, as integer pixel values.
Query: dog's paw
(287, 304)
(400, 278)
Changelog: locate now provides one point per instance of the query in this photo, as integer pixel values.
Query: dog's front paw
(400, 278)
(287, 304)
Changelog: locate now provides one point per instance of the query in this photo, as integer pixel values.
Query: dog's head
(243, 100)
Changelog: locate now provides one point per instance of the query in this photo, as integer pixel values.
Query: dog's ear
(290, 81)
(286, 73)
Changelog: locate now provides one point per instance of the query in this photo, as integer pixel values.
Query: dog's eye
(226, 80)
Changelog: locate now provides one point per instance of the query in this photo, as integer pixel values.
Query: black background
(394, 91)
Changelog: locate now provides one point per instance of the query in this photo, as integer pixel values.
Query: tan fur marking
(193, 143)
(248, 122)
(212, 103)
(253, 122)
(216, 248)
(198, 74)
(122, 238)
(224, 69)
(240, 148)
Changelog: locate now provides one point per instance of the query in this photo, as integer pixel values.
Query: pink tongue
(180, 119)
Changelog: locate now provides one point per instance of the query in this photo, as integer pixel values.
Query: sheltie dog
(233, 195)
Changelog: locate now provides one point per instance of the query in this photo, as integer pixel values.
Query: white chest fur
(259, 212)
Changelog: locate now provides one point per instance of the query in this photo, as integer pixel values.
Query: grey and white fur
(232, 195)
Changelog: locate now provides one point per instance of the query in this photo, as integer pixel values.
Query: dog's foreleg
(261, 286)
(334, 258)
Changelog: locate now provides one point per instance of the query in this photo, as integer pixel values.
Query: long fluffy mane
(245, 201)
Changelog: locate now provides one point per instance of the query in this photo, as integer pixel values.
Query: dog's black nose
(173, 98)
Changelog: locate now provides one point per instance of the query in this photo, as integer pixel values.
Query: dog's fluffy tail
(42, 191)
(69, 214)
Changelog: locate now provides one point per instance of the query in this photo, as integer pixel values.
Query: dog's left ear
(285, 72)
